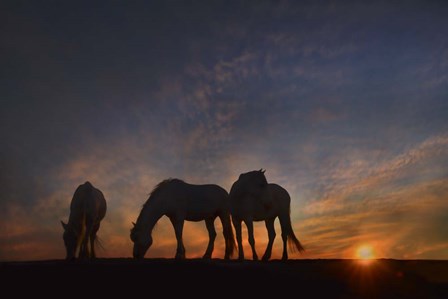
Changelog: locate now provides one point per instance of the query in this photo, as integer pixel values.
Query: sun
(365, 252)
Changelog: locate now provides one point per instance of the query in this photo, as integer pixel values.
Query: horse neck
(149, 216)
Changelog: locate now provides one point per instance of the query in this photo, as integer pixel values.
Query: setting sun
(365, 252)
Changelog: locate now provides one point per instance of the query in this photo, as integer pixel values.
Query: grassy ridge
(210, 278)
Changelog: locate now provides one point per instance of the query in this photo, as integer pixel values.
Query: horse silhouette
(87, 209)
(181, 201)
(253, 199)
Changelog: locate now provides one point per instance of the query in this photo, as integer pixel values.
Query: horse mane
(254, 173)
(153, 193)
(159, 187)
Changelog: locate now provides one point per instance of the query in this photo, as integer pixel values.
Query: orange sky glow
(395, 222)
(343, 103)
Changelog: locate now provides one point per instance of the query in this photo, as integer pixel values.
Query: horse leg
(85, 243)
(80, 245)
(178, 225)
(239, 240)
(92, 240)
(271, 234)
(228, 235)
(84, 250)
(211, 237)
(250, 232)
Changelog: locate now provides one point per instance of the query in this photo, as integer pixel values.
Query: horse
(253, 199)
(181, 201)
(87, 209)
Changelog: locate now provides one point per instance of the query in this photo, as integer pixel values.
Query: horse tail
(87, 192)
(293, 243)
(228, 234)
(99, 243)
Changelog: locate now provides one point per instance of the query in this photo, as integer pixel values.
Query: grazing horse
(180, 201)
(87, 209)
(253, 199)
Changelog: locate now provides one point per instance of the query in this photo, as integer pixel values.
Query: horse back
(205, 200)
(280, 197)
(278, 203)
(208, 192)
(88, 201)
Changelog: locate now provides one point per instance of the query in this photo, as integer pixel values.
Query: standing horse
(87, 209)
(181, 201)
(253, 199)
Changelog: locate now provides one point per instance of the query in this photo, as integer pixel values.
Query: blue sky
(344, 104)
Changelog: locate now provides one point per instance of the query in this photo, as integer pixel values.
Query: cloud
(339, 104)
(321, 114)
(397, 206)
(24, 236)
(362, 176)
(125, 170)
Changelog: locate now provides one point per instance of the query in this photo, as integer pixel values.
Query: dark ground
(197, 278)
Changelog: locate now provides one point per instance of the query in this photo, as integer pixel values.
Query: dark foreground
(217, 278)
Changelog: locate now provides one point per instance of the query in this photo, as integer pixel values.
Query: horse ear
(133, 223)
(263, 170)
(64, 225)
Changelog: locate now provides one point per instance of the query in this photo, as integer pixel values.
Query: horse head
(70, 241)
(142, 241)
(252, 184)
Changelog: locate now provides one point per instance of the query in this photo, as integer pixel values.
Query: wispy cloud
(343, 104)
(384, 207)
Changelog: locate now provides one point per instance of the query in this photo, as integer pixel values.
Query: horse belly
(195, 219)
(199, 215)
(200, 207)
(262, 212)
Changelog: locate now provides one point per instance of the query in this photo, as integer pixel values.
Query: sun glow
(365, 252)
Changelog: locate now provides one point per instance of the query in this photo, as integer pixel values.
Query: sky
(344, 103)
